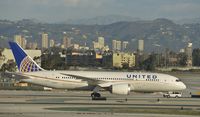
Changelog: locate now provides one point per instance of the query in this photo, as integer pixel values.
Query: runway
(79, 103)
(62, 103)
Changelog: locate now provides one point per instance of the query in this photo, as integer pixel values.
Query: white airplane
(115, 82)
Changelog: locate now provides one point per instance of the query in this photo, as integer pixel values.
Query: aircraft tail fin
(24, 62)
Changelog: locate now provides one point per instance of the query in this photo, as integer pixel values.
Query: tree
(183, 59)
(51, 59)
(149, 64)
(196, 57)
(125, 65)
(10, 66)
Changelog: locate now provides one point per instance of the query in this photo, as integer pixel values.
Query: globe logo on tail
(27, 65)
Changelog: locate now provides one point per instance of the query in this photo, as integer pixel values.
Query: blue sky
(62, 10)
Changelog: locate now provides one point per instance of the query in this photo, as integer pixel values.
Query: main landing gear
(95, 95)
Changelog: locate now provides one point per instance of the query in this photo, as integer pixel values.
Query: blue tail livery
(24, 62)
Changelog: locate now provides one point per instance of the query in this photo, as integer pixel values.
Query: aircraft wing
(89, 80)
(103, 84)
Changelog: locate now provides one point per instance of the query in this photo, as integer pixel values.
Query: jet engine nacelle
(122, 89)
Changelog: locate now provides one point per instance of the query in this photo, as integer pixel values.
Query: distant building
(118, 59)
(123, 58)
(119, 45)
(45, 40)
(141, 45)
(20, 40)
(51, 43)
(182, 50)
(106, 48)
(66, 41)
(82, 58)
(96, 45)
(76, 46)
(128, 58)
(32, 45)
(116, 45)
(62, 46)
(23, 43)
(124, 45)
(172, 59)
(2, 59)
(100, 44)
(83, 48)
(188, 52)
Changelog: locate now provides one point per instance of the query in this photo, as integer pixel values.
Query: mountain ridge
(160, 31)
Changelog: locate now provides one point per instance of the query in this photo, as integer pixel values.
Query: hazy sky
(61, 10)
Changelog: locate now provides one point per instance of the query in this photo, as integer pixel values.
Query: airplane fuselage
(139, 81)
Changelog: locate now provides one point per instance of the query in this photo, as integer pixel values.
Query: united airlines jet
(115, 82)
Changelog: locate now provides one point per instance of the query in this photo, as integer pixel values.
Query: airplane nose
(182, 86)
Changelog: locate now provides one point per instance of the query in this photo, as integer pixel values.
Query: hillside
(102, 20)
(161, 32)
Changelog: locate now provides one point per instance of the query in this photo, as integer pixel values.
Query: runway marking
(105, 104)
(171, 111)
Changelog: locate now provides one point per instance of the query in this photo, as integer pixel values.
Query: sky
(63, 10)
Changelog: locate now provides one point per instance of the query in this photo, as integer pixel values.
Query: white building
(124, 45)
(66, 41)
(20, 40)
(45, 40)
(141, 45)
(100, 44)
(121, 58)
(51, 43)
(116, 45)
(188, 52)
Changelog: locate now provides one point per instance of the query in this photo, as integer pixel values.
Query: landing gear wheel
(92, 95)
(95, 95)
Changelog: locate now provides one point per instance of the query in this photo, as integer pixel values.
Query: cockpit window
(178, 80)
